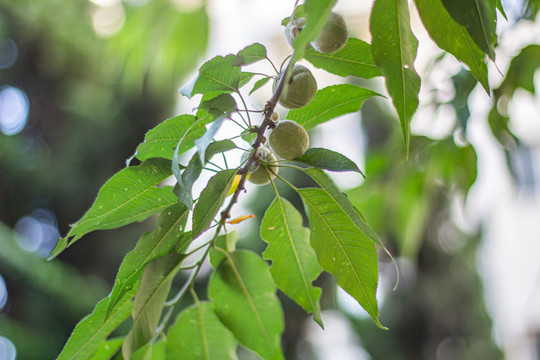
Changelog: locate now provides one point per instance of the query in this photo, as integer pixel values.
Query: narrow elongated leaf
(354, 59)
(260, 83)
(194, 169)
(211, 200)
(328, 160)
(149, 247)
(149, 301)
(479, 18)
(342, 249)
(501, 9)
(329, 103)
(250, 54)
(294, 263)
(198, 334)
(92, 331)
(161, 140)
(217, 75)
(130, 195)
(107, 349)
(244, 300)
(316, 13)
(453, 37)
(208, 137)
(394, 50)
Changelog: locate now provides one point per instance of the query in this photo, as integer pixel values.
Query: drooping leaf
(260, 83)
(92, 331)
(244, 300)
(453, 37)
(343, 249)
(155, 351)
(107, 349)
(161, 140)
(203, 142)
(193, 170)
(354, 59)
(217, 106)
(225, 242)
(130, 195)
(501, 9)
(316, 13)
(150, 246)
(394, 51)
(211, 200)
(328, 160)
(250, 54)
(217, 75)
(149, 301)
(198, 334)
(479, 17)
(329, 103)
(294, 263)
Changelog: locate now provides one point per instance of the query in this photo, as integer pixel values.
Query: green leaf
(250, 54)
(217, 75)
(294, 263)
(394, 50)
(328, 160)
(260, 83)
(156, 351)
(329, 103)
(225, 242)
(161, 140)
(130, 195)
(353, 59)
(108, 349)
(316, 13)
(91, 332)
(453, 37)
(151, 245)
(198, 334)
(354, 214)
(244, 300)
(343, 249)
(479, 17)
(149, 301)
(219, 105)
(501, 9)
(208, 137)
(211, 200)
(194, 169)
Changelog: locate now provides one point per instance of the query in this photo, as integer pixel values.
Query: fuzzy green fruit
(333, 36)
(300, 89)
(262, 176)
(289, 140)
(293, 28)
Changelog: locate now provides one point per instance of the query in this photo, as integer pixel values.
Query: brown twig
(259, 140)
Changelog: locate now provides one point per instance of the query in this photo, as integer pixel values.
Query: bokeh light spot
(3, 293)
(38, 232)
(13, 110)
(9, 52)
(7, 349)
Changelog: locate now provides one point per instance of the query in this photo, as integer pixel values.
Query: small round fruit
(289, 140)
(333, 36)
(300, 89)
(262, 175)
(293, 28)
(245, 156)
